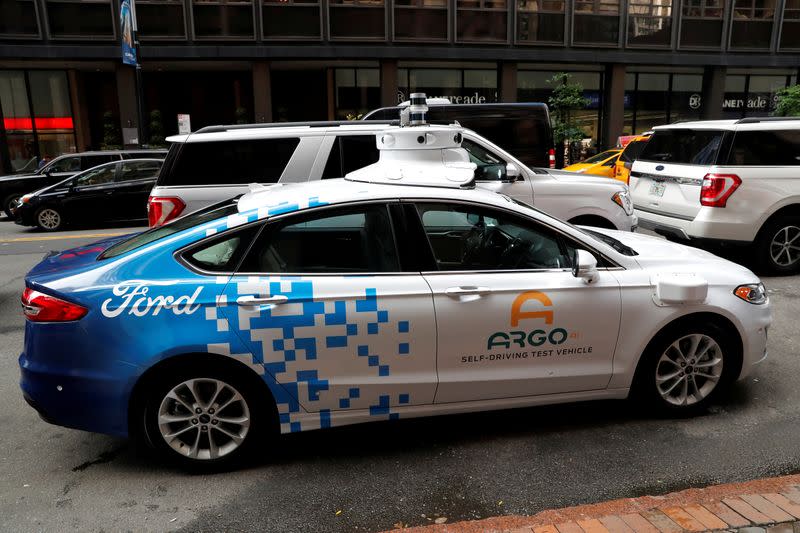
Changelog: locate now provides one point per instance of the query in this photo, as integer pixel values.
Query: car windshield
(611, 241)
(599, 158)
(685, 146)
(212, 212)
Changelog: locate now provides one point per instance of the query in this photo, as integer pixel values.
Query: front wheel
(777, 246)
(49, 219)
(686, 367)
(203, 419)
(8, 202)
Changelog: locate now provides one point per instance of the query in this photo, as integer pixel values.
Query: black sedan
(113, 192)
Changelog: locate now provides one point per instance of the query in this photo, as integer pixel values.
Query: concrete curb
(751, 506)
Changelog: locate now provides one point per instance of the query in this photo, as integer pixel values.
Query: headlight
(623, 199)
(755, 293)
(25, 198)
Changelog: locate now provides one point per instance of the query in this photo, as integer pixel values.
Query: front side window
(684, 146)
(67, 164)
(138, 170)
(477, 238)
(490, 166)
(348, 240)
(97, 176)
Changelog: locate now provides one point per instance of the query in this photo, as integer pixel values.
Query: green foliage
(111, 133)
(788, 102)
(566, 98)
(241, 115)
(156, 129)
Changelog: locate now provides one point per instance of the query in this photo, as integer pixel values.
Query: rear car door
(667, 177)
(131, 187)
(322, 303)
(512, 320)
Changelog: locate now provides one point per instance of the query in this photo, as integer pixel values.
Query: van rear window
(683, 146)
(235, 162)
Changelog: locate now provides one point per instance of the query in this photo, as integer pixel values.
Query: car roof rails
(310, 124)
(418, 153)
(756, 120)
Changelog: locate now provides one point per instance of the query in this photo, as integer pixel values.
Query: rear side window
(765, 148)
(90, 161)
(684, 146)
(144, 154)
(229, 162)
(223, 253)
(349, 153)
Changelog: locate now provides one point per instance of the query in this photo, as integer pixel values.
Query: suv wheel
(777, 246)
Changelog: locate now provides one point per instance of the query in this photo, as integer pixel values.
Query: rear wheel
(49, 219)
(777, 246)
(686, 367)
(203, 418)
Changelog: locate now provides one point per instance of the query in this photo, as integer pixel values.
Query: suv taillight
(551, 157)
(162, 209)
(717, 188)
(39, 307)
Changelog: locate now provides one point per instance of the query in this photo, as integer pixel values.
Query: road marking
(63, 237)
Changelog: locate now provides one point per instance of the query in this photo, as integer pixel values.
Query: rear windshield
(207, 214)
(632, 151)
(235, 162)
(684, 146)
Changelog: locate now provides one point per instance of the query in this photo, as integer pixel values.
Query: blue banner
(126, 31)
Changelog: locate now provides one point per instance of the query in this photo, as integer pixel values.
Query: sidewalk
(769, 505)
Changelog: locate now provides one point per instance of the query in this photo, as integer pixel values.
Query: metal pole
(141, 130)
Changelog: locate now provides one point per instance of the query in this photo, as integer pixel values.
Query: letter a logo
(518, 314)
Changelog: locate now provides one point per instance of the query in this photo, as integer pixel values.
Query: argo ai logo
(536, 337)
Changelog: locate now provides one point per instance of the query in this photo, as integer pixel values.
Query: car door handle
(255, 300)
(455, 292)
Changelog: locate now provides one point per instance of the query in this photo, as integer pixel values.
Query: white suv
(218, 162)
(735, 181)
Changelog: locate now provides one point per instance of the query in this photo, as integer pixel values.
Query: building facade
(642, 63)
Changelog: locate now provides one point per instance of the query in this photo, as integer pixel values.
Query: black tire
(772, 259)
(7, 201)
(594, 221)
(49, 218)
(202, 426)
(647, 388)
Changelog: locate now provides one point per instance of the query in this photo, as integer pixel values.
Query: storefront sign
(474, 98)
(126, 24)
(753, 102)
(184, 124)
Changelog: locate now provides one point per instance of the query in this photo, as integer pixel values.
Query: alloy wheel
(784, 248)
(49, 218)
(689, 369)
(204, 419)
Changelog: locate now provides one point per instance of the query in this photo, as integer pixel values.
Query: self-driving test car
(399, 291)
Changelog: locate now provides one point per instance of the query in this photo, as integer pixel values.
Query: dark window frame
(775, 26)
(683, 15)
(621, 24)
(290, 4)
(781, 29)
(332, 6)
(234, 38)
(449, 15)
(527, 42)
(28, 36)
(145, 38)
(648, 5)
(81, 36)
(510, 12)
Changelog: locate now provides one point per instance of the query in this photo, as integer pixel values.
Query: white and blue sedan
(397, 292)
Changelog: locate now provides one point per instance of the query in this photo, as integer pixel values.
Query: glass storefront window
(751, 26)
(653, 99)
(160, 18)
(358, 90)
(650, 22)
(540, 21)
(223, 19)
(652, 96)
(481, 20)
(18, 18)
(596, 22)
(85, 19)
(286, 19)
(701, 23)
(686, 97)
(460, 86)
(357, 19)
(421, 20)
(39, 128)
(534, 86)
(790, 33)
(630, 104)
(752, 95)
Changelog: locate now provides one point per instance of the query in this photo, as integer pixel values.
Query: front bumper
(754, 340)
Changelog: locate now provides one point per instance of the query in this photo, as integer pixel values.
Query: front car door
(88, 199)
(61, 168)
(322, 304)
(512, 319)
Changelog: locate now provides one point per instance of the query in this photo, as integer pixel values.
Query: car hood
(585, 179)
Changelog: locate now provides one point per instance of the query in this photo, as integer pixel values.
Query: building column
(330, 81)
(5, 157)
(508, 82)
(262, 92)
(80, 111)
(126, 92)
(713, 92)
(613, 105)
(389, 83)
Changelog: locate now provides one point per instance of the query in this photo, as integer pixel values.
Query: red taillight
(162, 209)
(39, 307)
(551, 154)
(717, 188)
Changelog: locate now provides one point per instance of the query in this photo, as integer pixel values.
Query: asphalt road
(371, 477)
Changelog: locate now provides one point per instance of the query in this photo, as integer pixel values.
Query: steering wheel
(473, 243)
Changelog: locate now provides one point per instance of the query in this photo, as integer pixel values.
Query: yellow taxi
(601, 164)
(622, 168)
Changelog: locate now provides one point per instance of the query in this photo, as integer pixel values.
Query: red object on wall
(42, 123)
